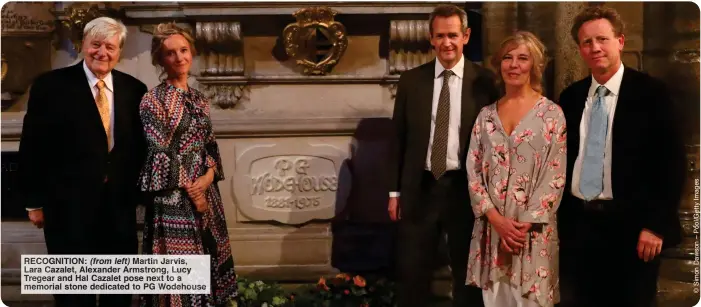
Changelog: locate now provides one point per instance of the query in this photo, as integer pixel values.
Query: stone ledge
(295, 79)
(225, 127)
(187, 10)
(25, 232)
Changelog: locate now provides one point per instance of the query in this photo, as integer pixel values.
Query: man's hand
(37, 217)
(649, 245)
(393, 209)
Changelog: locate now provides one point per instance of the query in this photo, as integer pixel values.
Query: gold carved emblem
(76, 19)
(316, 41)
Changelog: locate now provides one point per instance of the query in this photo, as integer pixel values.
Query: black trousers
(110, 231)
(445, 210)
(599, 263)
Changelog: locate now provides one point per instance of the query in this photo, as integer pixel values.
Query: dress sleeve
(477, 169)
(158, 172)
(550, 180)
(213, 159)
(211, 148)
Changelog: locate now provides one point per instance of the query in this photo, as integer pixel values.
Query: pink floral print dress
(522, 175)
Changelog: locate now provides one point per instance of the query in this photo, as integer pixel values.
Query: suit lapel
(424, 100)
(468, 107)
(625, 92)
(580, 101)
(120, 108)
(84, 96)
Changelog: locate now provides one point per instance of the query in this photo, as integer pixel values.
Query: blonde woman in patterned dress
(184, 213)
(516, 172)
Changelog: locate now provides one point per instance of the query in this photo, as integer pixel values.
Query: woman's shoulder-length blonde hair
(535, 47)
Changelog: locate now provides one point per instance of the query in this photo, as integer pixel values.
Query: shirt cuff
(393, 194)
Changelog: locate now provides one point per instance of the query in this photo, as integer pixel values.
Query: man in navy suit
(81, 151)
(625, 173)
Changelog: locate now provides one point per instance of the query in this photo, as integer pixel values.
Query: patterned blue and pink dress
(181, 148)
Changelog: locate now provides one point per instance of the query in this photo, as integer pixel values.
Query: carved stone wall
(410, 45)
(671, 52)
(550, 22)
(284, 134)
(27, 30)
(220, 46)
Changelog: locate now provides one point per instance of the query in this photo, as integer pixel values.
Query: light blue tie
(591, 181)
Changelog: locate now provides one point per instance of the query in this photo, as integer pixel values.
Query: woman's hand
(200, 185)
(196, 190)
(505, 247)
(509, 230)
(524, 227)
(200, 202)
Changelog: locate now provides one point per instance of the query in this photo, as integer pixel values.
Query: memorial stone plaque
(289, 184)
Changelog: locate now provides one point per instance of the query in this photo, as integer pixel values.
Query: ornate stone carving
(150, 28)
(221, 48)
(409, 43)
(27, 30)
(14, 22)
(289, 182)
(393, 90)
(75, 18)
(4, 68)
(316, 41)
(224, 96)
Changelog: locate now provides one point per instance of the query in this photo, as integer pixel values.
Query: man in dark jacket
(81, 151)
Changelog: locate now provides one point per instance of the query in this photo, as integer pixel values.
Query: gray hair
(105, 27)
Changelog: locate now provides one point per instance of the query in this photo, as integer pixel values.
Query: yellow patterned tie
(103, 105)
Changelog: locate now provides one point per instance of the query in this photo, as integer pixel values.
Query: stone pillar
(500, 20)
(537, 17)
(632, 15)
(671, 53)
(569, 67)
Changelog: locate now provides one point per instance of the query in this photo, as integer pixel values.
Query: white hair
(105, 27)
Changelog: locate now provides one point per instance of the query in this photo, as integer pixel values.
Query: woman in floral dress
(184, 215)
(516, 171)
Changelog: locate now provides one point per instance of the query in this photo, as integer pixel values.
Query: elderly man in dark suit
(434, 112)
(625, 173)
(81, 151)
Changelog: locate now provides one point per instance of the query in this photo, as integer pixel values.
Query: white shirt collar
(458, 69)
(92, 79)
(613, 84)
